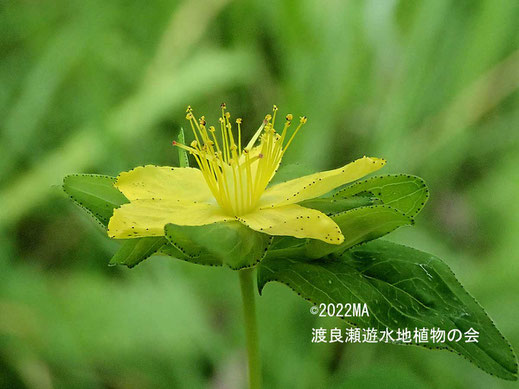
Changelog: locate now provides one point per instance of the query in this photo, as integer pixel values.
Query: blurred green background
(97, 86)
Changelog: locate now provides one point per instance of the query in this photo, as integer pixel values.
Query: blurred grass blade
(404, 192)
(40, 87)
(96, 194)
(403, 288)
(207, 72)
(181, 35)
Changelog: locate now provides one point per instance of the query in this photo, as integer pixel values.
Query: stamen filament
(237, 181)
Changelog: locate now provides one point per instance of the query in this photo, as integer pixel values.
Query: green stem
(251, 329)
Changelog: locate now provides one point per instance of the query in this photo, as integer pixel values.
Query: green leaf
(202, 258)
(330, 206)
(94, 193)
(403, 288)
(360, 225)
(404, 192)
(229, 243)
(134, 251)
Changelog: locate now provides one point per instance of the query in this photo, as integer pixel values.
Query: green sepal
(183, 160)
(360, 225)
(202, 258)
(96, 194)
(134, 251)
(403, 288)
(229, 243)
(404, 192)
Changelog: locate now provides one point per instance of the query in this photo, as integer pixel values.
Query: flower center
(238, 177)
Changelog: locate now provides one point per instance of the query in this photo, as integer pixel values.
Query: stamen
(238, 122)
(274, 109)
(238, 177)
(302, 121)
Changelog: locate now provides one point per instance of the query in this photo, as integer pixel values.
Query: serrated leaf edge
(514, 374)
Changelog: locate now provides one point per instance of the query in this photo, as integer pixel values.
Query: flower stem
(251, 329)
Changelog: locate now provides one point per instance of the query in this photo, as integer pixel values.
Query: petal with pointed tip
(294, 220)
(317, 184)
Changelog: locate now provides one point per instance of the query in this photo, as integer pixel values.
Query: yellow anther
(303, 119)
(237, 177)
(223, 106)
(189, 109)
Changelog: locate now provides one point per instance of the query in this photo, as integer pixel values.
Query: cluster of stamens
(238, 176)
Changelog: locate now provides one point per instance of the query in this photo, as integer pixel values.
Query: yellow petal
(315, 185)
(294, 220)
(148, 217)
(163, 182)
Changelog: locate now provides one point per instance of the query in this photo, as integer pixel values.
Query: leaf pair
(392, 201)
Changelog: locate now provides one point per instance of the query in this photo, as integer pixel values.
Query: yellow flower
(231, 184)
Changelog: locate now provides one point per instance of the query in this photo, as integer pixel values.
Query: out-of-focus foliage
(101, 87)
